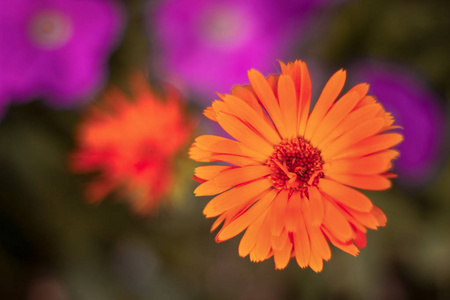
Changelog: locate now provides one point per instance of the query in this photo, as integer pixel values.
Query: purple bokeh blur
(56, 49)
(205, 47)
(417, 109)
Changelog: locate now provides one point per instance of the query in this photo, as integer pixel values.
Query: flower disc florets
(296, 164)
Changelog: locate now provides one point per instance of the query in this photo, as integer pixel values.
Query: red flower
(132, 143)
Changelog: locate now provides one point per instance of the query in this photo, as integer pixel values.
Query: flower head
(55, 49)
(132, 143)
(292, 173)
(191, 34)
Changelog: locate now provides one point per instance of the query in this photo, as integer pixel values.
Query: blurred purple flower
(210, 45)
(55, 49)
(417, 109)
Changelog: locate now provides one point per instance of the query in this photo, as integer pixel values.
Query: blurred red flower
(132, 142)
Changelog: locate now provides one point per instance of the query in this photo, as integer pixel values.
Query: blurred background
(58, 56)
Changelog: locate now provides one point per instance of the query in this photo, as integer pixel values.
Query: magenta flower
(207, 46)
(417, 109)
(55, 49)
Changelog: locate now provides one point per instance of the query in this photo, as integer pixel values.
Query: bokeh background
(54, 245)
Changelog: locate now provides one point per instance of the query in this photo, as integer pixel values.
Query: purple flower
(210, 45)
(55, 49)
(417, 109)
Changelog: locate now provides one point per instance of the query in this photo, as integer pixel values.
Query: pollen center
(295, 165)
(50, 29)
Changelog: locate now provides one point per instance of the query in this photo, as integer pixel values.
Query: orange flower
(292, 174)
(132, 143)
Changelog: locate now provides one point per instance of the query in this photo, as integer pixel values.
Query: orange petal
(367, 100)
(293, 212)
(367, 165)
(230, 178)
(245, 219)
(349, 215)
(319, 244)
(267, 98)
(248, 241)
(329, 93)
(234, 213)
(338, 112)
(263, 243)
(282, 256)
(280, 241)
(220, 145)
(292, 70)
(198, 154)
(209, 172)
(336, 223)
(302, 246)
(244, 134)
(345, 195)
(367, 182)
(243, 111)
(365, 218)
(348, 247)
(234, 159)
(358, 116)
(210, 113)
(272, 80)
(317, 208)
(352, 137)
(278, 212)
(247, 94)
(379, 215)
(371, 145)
(283, 66)
(316, 262)
(299, 73)
(304, 98)
(288, 104)
(217, 222)
(236, 196)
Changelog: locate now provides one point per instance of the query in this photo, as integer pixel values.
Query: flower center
(225, 25)
(295, 165)
(50, 29)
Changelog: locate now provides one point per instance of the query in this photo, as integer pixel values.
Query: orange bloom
(292, 174)
(132, 143)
